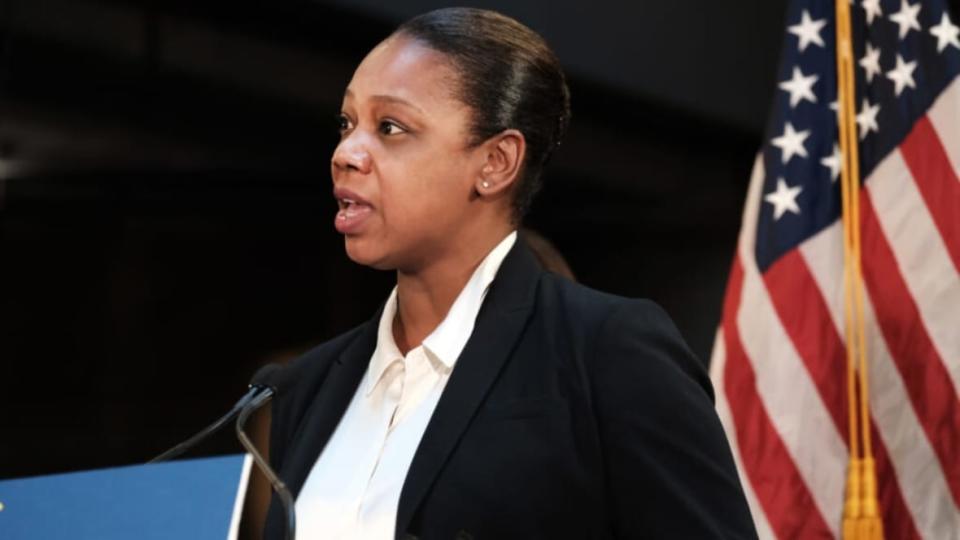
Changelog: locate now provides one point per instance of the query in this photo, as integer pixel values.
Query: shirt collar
(447, 340)
(386, 351)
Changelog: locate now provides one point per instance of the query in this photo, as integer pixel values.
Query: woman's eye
(343, 123)
(388, 127)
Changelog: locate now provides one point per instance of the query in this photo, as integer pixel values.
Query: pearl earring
(485, 184)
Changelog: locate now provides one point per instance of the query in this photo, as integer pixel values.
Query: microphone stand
(219, 423)
(286, 498)
(263, 387)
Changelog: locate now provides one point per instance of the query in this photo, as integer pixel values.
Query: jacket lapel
(500, 322)
(329, 406)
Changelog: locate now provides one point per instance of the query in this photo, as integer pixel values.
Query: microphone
(274, 382)
(261, 382)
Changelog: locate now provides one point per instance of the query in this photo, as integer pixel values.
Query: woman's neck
(424, 297)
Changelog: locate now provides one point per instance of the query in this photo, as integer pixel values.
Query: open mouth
(347, 199)
(350, 207)
(346, 204)
(353, 211)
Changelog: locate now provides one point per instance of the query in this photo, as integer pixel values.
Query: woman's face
(403, 172)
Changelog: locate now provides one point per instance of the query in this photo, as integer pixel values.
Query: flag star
(902, 75)
(871, 62)
(867, 118)
(791, 142)
(872, 8)
(808, 30)
(833, 163)
(835, 107)
(784, 199)
(800, 87)
(946, 33)
(906, 18)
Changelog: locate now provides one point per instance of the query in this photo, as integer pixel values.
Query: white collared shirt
(353, 490)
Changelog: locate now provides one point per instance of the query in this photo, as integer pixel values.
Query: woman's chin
(363, 253)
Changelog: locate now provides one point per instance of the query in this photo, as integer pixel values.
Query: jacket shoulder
(588, 303)
(605, 326)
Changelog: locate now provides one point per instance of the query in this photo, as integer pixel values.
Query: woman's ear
(504, 155)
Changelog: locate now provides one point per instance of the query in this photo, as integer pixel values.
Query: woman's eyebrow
(389, 99)
(397, 101)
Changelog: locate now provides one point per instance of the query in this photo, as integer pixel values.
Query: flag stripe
(799, 303)
(773, 476)
(922, 487)
(923, 483)
(928, 163)
(930, 277)
(897, 519)
(945, 117)
(823, 255)
(785, 387)
(718, 362)
(804, 316)
(926, 379)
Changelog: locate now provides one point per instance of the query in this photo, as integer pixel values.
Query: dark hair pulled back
(508, 76)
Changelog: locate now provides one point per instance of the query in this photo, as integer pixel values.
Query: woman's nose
(352, 154)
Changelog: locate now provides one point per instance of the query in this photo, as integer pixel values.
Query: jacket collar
(501, 320)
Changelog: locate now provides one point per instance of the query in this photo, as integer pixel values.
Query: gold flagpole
(861, 511)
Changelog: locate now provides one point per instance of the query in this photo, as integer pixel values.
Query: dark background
(165, 208)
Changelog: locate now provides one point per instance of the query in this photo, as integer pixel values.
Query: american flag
(779, 358)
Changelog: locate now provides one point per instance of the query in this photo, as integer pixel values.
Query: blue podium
(190, 499)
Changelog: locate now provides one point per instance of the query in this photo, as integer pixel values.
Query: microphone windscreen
(265, 374)
(273, 376)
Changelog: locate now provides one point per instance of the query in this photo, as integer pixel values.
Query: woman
(487, 398)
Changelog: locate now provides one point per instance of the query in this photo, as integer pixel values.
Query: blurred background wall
(166, 209)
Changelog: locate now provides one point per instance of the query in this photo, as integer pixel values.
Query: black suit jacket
(569, 414)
